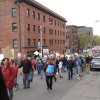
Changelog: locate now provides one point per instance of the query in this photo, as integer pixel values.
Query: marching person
(39, 67)
(16, 71)
(60, 68)
(70, 64)
(87, 60)
(3, 88)
(27, 68)
(79, 67)
(9, 76)
(49, 71)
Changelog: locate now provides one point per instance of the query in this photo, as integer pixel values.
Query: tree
(96, 39)
(84, 40)
(88, 40)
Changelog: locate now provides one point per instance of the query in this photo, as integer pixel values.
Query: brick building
(23, 21)
(72, 38)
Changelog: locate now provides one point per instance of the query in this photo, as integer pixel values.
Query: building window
(50, 21)
(58, 24)
(50, 42)
(39, 43)
(55, 23)
(44, 30)
(33, 28)
(13, 12)
(63, 33)
(63, 41)
(44, 41)
(38, 16)
(58, 42)
(28, 27)
(55, 42)
(38, 29)
(34, 42)
(55, 32)
(14, 43)
(29, 42)
(33, 14)
(14, 27)
(28, 12)
(63, 26)
(58, 32)
(51, 31)
(43, 18)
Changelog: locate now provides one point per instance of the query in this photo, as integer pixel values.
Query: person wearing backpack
(9, 76)
(49, 71)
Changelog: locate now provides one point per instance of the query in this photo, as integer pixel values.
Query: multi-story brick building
(20, 27)
(72, 38)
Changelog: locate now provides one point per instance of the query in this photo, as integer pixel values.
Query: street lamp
(41, 39)
(41, 30)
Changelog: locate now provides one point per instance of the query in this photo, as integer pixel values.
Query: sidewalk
(88, 88)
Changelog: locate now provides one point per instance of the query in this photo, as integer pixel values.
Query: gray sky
(77, 12)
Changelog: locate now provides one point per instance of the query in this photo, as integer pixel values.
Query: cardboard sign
(7, 52)
(45, 51)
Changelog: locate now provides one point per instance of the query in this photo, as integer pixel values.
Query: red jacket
(33, 63)
(9, 75)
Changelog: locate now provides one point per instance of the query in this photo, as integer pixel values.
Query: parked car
(95, 63)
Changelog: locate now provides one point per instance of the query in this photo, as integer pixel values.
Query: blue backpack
(79, 62)
(50, 69)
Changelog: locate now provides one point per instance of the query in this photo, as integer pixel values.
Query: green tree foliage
(96, 39)
(88, 40)
(84, 40)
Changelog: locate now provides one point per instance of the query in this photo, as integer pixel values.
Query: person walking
(9, 76)
(3, 89)
(16, 71)
(27, 68)
(49, 71)
(87, 60)
(60, 68)
(70, 65)
(39, 67)
(79, 64)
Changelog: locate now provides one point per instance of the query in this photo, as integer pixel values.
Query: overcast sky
(77, 12)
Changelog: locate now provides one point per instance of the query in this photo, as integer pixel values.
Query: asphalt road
(38, 90)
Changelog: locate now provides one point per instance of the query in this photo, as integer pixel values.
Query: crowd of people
(50, 68)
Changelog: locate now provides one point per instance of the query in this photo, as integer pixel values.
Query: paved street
(87, 88)
(38, 89)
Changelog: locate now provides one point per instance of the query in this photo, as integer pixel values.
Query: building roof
(42, 8)
(71, 26)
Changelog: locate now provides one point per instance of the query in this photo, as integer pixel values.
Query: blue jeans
(70, 73)
(25, 79)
